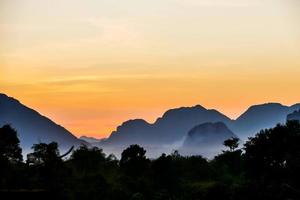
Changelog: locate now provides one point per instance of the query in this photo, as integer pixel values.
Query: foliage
(133, 161)
(273, 160)
(267, 168)
(10, 150)
(43, 153)
(232, 143)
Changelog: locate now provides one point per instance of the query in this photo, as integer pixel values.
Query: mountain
(164, 135)
(262, 116)
(175, 123)
(90, 140)
(206, 139)
(135, 131)
(169, 131)
(171, 127)
(32, 127)
(294, 116)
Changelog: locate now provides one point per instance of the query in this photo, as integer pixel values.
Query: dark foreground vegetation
(267, 168)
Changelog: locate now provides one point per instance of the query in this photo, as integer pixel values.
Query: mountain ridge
(33, 127)
(172, 127)
(238, 125)
(179, 120)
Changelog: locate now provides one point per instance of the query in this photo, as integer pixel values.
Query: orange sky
(90, 65)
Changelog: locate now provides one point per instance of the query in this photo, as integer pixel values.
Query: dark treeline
(267, 168)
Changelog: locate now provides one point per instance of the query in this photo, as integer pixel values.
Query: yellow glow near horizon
(90, 65)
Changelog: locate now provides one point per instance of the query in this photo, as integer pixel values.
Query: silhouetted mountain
(175, 123)
(165, 134)
(90, 140)
(262, 116)
(171, 127)
(169, 131)
(130, 132)
(31, 126)
(206, 139)
(294, 116)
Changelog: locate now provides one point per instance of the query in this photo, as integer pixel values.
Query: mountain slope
(294, 116)
(90, 140)
(261, 116)
(166, 133)
(172, 126)
(206, 139)
(169, 131)
(31, 126)
(136, 131)
(175, 123)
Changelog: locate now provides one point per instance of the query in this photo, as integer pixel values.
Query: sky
(91, 65)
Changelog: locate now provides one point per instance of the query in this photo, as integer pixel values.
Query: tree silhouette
(273, 160)
(232, 143)
(44, 154)
(275, 149)
(10, 158)
(133, 160)
(87, 160)
(10, 145)
(267, 168)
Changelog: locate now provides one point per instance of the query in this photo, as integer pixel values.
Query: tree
(49, 168)
(88, 160)
(273, 159)
(10, 145)
(44, 154)
(275, 149)
(232, 143)
(229, 164)
(165, 173)
(10, 157)
(133, 160)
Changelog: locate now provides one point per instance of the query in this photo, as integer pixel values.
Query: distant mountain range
(177, 124)
(171, 127)
(174, 130)
(32, 127)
